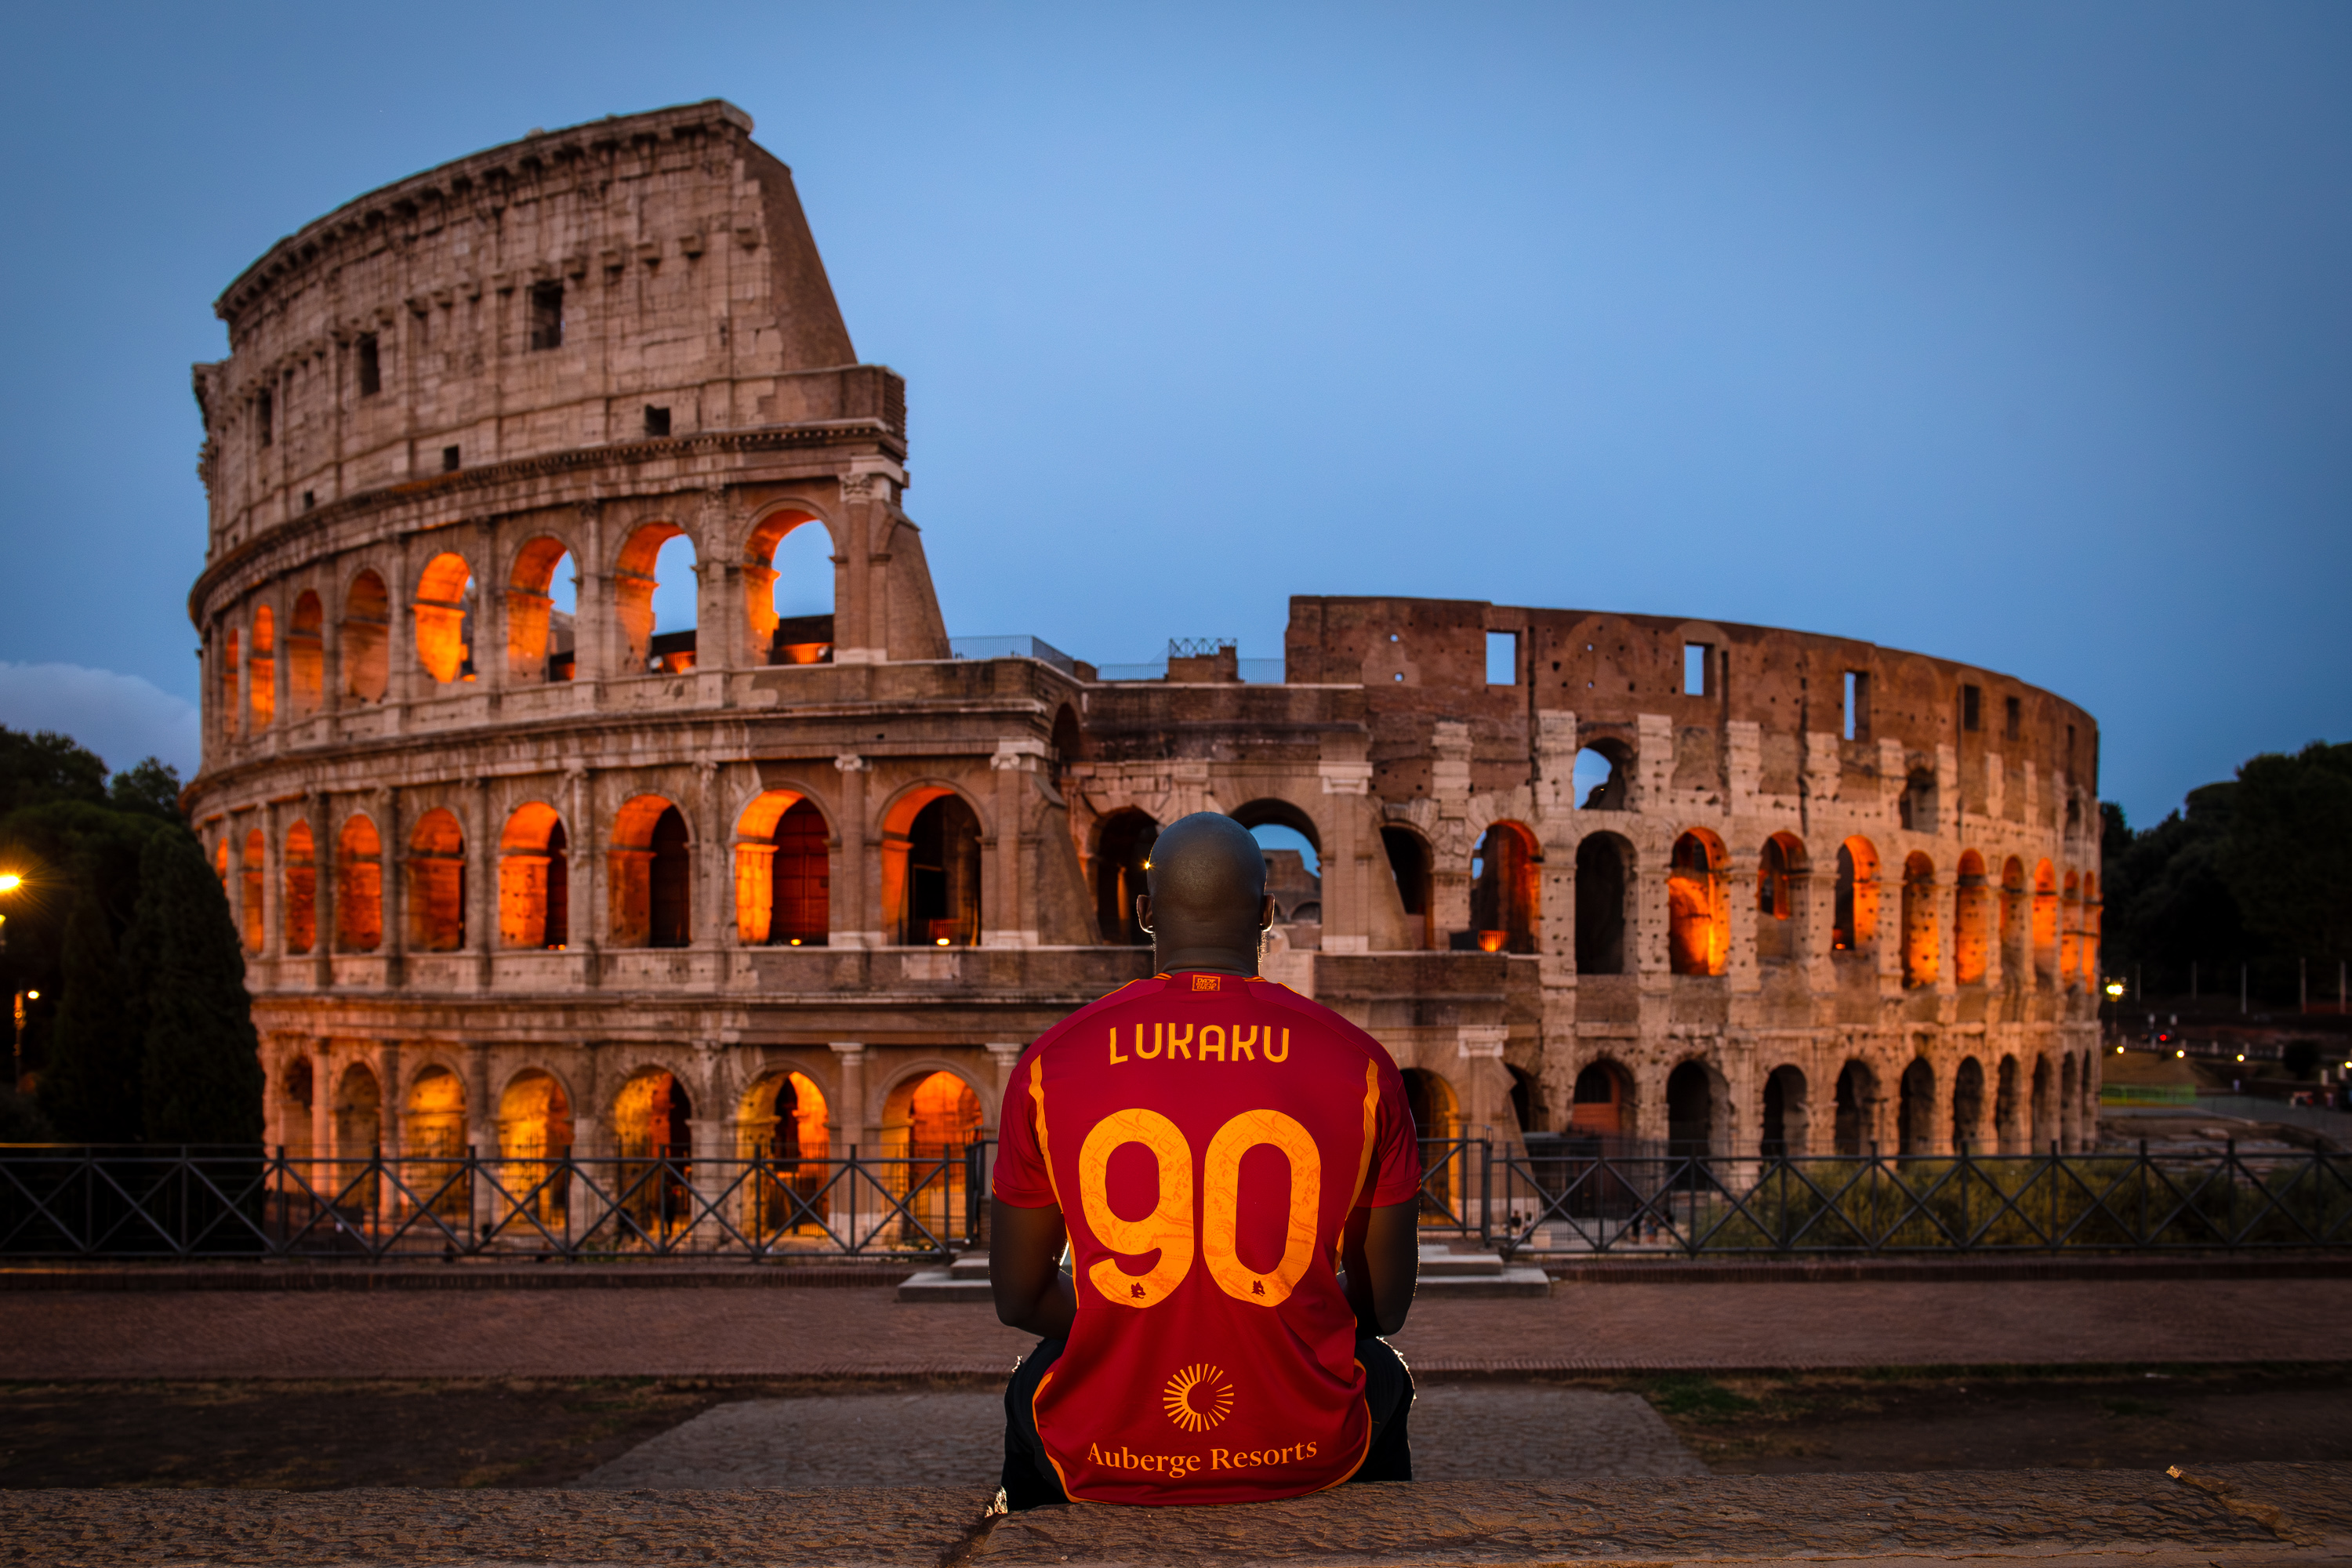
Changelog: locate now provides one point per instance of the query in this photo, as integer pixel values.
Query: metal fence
(1570, 1197)
(189, 1202)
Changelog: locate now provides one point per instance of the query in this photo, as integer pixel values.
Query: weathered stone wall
(489, 862)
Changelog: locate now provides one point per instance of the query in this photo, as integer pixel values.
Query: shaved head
(1207, 905)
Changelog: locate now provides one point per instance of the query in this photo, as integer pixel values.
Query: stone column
(1005, 1057)
(391, 1100)
(320, 809)
(711, 873)
(482, 895)
(1347, 859)
(392, 873)
(1486, 1083)
(856, 918)
(849, 1132)
(583, 845)
(323, 1179)
(482, 1138)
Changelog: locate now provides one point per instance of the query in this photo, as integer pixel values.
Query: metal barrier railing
(223, 1203)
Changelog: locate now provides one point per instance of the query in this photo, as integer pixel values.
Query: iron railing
(190, 1203)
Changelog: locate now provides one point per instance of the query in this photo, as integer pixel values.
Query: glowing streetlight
(2114, 988)
(10, 881)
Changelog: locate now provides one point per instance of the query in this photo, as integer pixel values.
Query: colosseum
(521, 866)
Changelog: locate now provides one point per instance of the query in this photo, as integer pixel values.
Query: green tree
(89, 1090)
(2290, 849)
(151, 786)
(2168, 896)
(46, 766)
(202, 1071)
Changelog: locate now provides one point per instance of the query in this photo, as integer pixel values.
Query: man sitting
(1238, 1179)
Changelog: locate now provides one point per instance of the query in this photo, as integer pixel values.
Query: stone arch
(1274, 811)
(651, 875)
(359, 886)
(2043, 1113)
(253, 861)
(930, 1108)
(433, 1138)
(261, 671)
(782, 1120)
(1695, 1108)
(305, 657)
(1602, 775)
(231, 674)
(295, 1083)
(355, 1115)
(1698, 937)
(783, 871)
(541, 646)
(1123, 843)
(1971, 920)
(1969, 1106)
(1785, 1124)
(931, 834)
(1922, 940)
(1527, 1101)
(1854, 921)
(1782, 873)
(299, 874)
(436, 883)
(2016, 967)
(1437, 1111)
(535, 1129)
(1412, 860)
(1604, 890)
(2009, 1130)
(1854, 1131)
(652, 1119)
(444, 615)
(1602, 1103)
(366, 638)
(534, 878)
(2070, 930)
(2066, 1106)
(2089, 953)
(634, 582)
(806, 636)
(1506, 889)
(1068, 741)
(2045, 925)
(1915, 1112)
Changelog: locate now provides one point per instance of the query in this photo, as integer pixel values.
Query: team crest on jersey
(1198, 1397)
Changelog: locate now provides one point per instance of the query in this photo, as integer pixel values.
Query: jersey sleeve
(1396, 1147)
(1021, 1178)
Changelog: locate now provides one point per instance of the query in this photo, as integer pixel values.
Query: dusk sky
(2015, 334)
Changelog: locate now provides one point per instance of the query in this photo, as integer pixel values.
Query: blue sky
(2018, 334)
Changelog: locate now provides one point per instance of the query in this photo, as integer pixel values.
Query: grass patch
(1698, 1397)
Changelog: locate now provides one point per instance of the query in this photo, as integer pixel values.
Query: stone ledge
(469, 1275)
(2246, 1514)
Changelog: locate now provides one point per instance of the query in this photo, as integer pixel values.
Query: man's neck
(1211, 961)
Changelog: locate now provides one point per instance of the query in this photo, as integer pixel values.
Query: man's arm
(1025, 1274)
(1380, 1253)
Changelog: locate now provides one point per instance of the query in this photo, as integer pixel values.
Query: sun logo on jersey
(1198, 1397)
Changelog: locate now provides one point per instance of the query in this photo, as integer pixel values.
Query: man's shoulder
(1274, 994)
(1133, 991)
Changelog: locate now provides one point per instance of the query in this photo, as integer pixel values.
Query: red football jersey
(1206, 1138)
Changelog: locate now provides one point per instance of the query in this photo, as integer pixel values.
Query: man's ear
(1143, 910)
(1265, 914)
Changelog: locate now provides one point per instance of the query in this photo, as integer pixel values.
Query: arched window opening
(295, 1089)
(306, 658)
(2007, 1130)
(2013, 907)
(654, 583)
(2042, 1111)
(254, 862)
(534, 880)
(1603, 867)
(261, 688)
(367, 640)
(1436, 1121)
(784, 872)
(301, 894)
(1602, 1106)
(788, 585)
(231, 667)
(1784, 1113)
(940, 1115)
(1069, 741)
(1971, 920)
(2065, 1106)
(542, 623)
(1122, 850)
(1527, 1101)
(1917, 807)
(630, 874)
(654, 1136)
(444, 618)
(2045, 925)
(1294, 866)
(1922, 944)
(1915, 1112)
(434, 1139)
(941, 898)
(1779, 899)
(359, 887)
(1857, 1098)
(437, 884)
(1503, 889)
(1854, 920)
(2089, 954)
(2070, 931)
(1699, 925)
(220, 866)
(534, 1132)
(1690, 1111)
(1598, 780)
(673, 882)
(357, 1113)
(782, 1123)
(1408, 856)
(1968, 1106)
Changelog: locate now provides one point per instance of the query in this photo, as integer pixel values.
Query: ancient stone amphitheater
(523, 877)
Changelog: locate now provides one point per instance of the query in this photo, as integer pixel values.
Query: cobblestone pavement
(859, 1333)
(2242, 1517)
(1464, 1431)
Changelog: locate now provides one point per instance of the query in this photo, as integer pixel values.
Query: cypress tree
(202, 1073)
(89, 1091)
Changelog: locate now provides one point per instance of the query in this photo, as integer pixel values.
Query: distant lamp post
(9, 882)
(17, 1063)
(2114, 990)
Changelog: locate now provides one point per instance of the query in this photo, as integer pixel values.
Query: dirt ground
(308, 1435)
